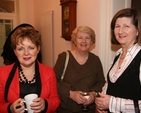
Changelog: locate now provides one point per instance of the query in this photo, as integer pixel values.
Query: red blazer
(48, 89)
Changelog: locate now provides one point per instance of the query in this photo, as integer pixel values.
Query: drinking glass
(86, 95)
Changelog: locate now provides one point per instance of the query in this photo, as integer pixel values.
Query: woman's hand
(77, 97)
(17, 106)
(91, 98)
(38, 105)
(102, 102)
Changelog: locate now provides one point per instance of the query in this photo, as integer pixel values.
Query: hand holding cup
(29, 100)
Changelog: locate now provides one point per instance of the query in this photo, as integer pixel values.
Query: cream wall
(94, 13)
(88, 13)
(42, 6)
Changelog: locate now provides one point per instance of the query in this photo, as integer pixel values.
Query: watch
(68, 19)
(96, 94)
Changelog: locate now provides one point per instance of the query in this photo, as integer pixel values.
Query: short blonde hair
(84, 29)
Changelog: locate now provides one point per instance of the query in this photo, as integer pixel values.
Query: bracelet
(19, 106)
(96, 94)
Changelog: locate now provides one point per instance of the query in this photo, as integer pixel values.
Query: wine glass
(86, 95)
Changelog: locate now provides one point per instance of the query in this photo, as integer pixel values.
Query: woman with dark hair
(122, 91)
(8, 53)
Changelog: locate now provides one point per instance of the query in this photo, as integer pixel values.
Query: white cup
(29, 100)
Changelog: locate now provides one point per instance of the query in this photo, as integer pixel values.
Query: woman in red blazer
(27, 76)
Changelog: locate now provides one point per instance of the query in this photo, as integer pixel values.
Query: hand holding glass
(86, 95)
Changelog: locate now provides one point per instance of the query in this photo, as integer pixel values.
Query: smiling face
(83, 41)
(125, 32)
(26, 52)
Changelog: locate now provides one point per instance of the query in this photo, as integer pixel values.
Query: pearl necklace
(23, 79)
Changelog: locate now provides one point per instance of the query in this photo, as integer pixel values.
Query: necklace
(123, 56)
(80, 60)
(23, 79)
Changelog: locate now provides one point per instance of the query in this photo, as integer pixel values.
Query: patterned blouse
(117, 104)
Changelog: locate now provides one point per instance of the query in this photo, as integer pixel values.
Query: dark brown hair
(136, 21)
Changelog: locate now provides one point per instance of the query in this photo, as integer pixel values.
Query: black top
(128, 84)
(27, 89)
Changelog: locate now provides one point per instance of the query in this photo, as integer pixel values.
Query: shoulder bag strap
(66, 63)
